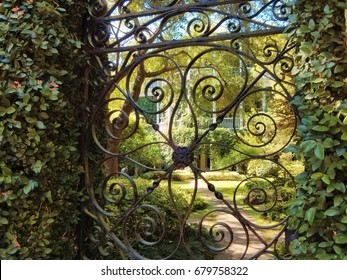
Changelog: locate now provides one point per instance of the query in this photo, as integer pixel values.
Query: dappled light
(199, 95)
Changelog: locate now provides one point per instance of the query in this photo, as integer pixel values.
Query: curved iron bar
(162, 16)
(117, 204)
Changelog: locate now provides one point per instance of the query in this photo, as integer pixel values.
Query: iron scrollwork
(201, 65)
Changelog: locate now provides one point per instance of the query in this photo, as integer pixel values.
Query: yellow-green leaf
(321, 128)
(3, 221)
(40, 125)
(340, 238)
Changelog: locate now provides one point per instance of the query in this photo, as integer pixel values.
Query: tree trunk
(114, 144)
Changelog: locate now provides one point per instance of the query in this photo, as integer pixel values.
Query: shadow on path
(238, 246)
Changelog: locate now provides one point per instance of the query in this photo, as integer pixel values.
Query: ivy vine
(40, 93)
(319, 214)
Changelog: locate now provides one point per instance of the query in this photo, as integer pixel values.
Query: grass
(227, 188)
(182, 191)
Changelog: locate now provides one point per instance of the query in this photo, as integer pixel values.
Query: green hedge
(319, 214)
(40, 93)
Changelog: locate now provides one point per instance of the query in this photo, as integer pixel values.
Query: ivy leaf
(326, 179)
(319, 151)
(50, 220)
(317, 175)
(331, 172)
(332, 212)
(47, 251)
(311, 24)
(340, 151)
(325, 244)
(29, 187)
(338, 250)
(339, 68)
(328, 143)
(338, 200)
(6, 171)
(340, 238)
(40, 125)
(3, 111)
(10, 110)
(310, 214)
(337, 84)
(37, 166)
(316, 164)
(321, 128)
(341, 5)
(3, 221)
(303, 228)
(297, 202)
(326, 9)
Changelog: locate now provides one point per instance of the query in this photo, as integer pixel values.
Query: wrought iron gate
(198, 91)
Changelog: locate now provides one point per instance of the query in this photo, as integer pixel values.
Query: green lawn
(227, 188)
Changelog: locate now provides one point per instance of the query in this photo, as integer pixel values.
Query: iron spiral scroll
(200, 68)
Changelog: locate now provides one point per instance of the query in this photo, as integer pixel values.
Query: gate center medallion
(182, 156)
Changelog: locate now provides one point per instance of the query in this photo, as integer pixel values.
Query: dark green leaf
(311, 24)
(338, 250)
(316, 164)
(328, 143)
(339, 68)
(332, 212)
(338, 200)
(337, 84)
(319, 151)
(310, 214)
(342, 5)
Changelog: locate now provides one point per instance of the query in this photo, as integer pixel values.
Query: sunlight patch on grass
(227, 188)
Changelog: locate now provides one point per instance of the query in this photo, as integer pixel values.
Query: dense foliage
(320, 211)
(143, 227)
(40, 89)
(40, 97)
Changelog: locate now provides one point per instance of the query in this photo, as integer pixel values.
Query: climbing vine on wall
(319, 214)
(40, 93)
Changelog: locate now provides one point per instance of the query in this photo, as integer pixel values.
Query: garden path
(238, 246)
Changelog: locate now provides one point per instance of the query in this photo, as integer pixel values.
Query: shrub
(40, 95)
(182, 175)
(160, 198)
(200, 203)
(319, 212)
(262, 168)
(285, 194)
(152, 175)
(223, 176)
